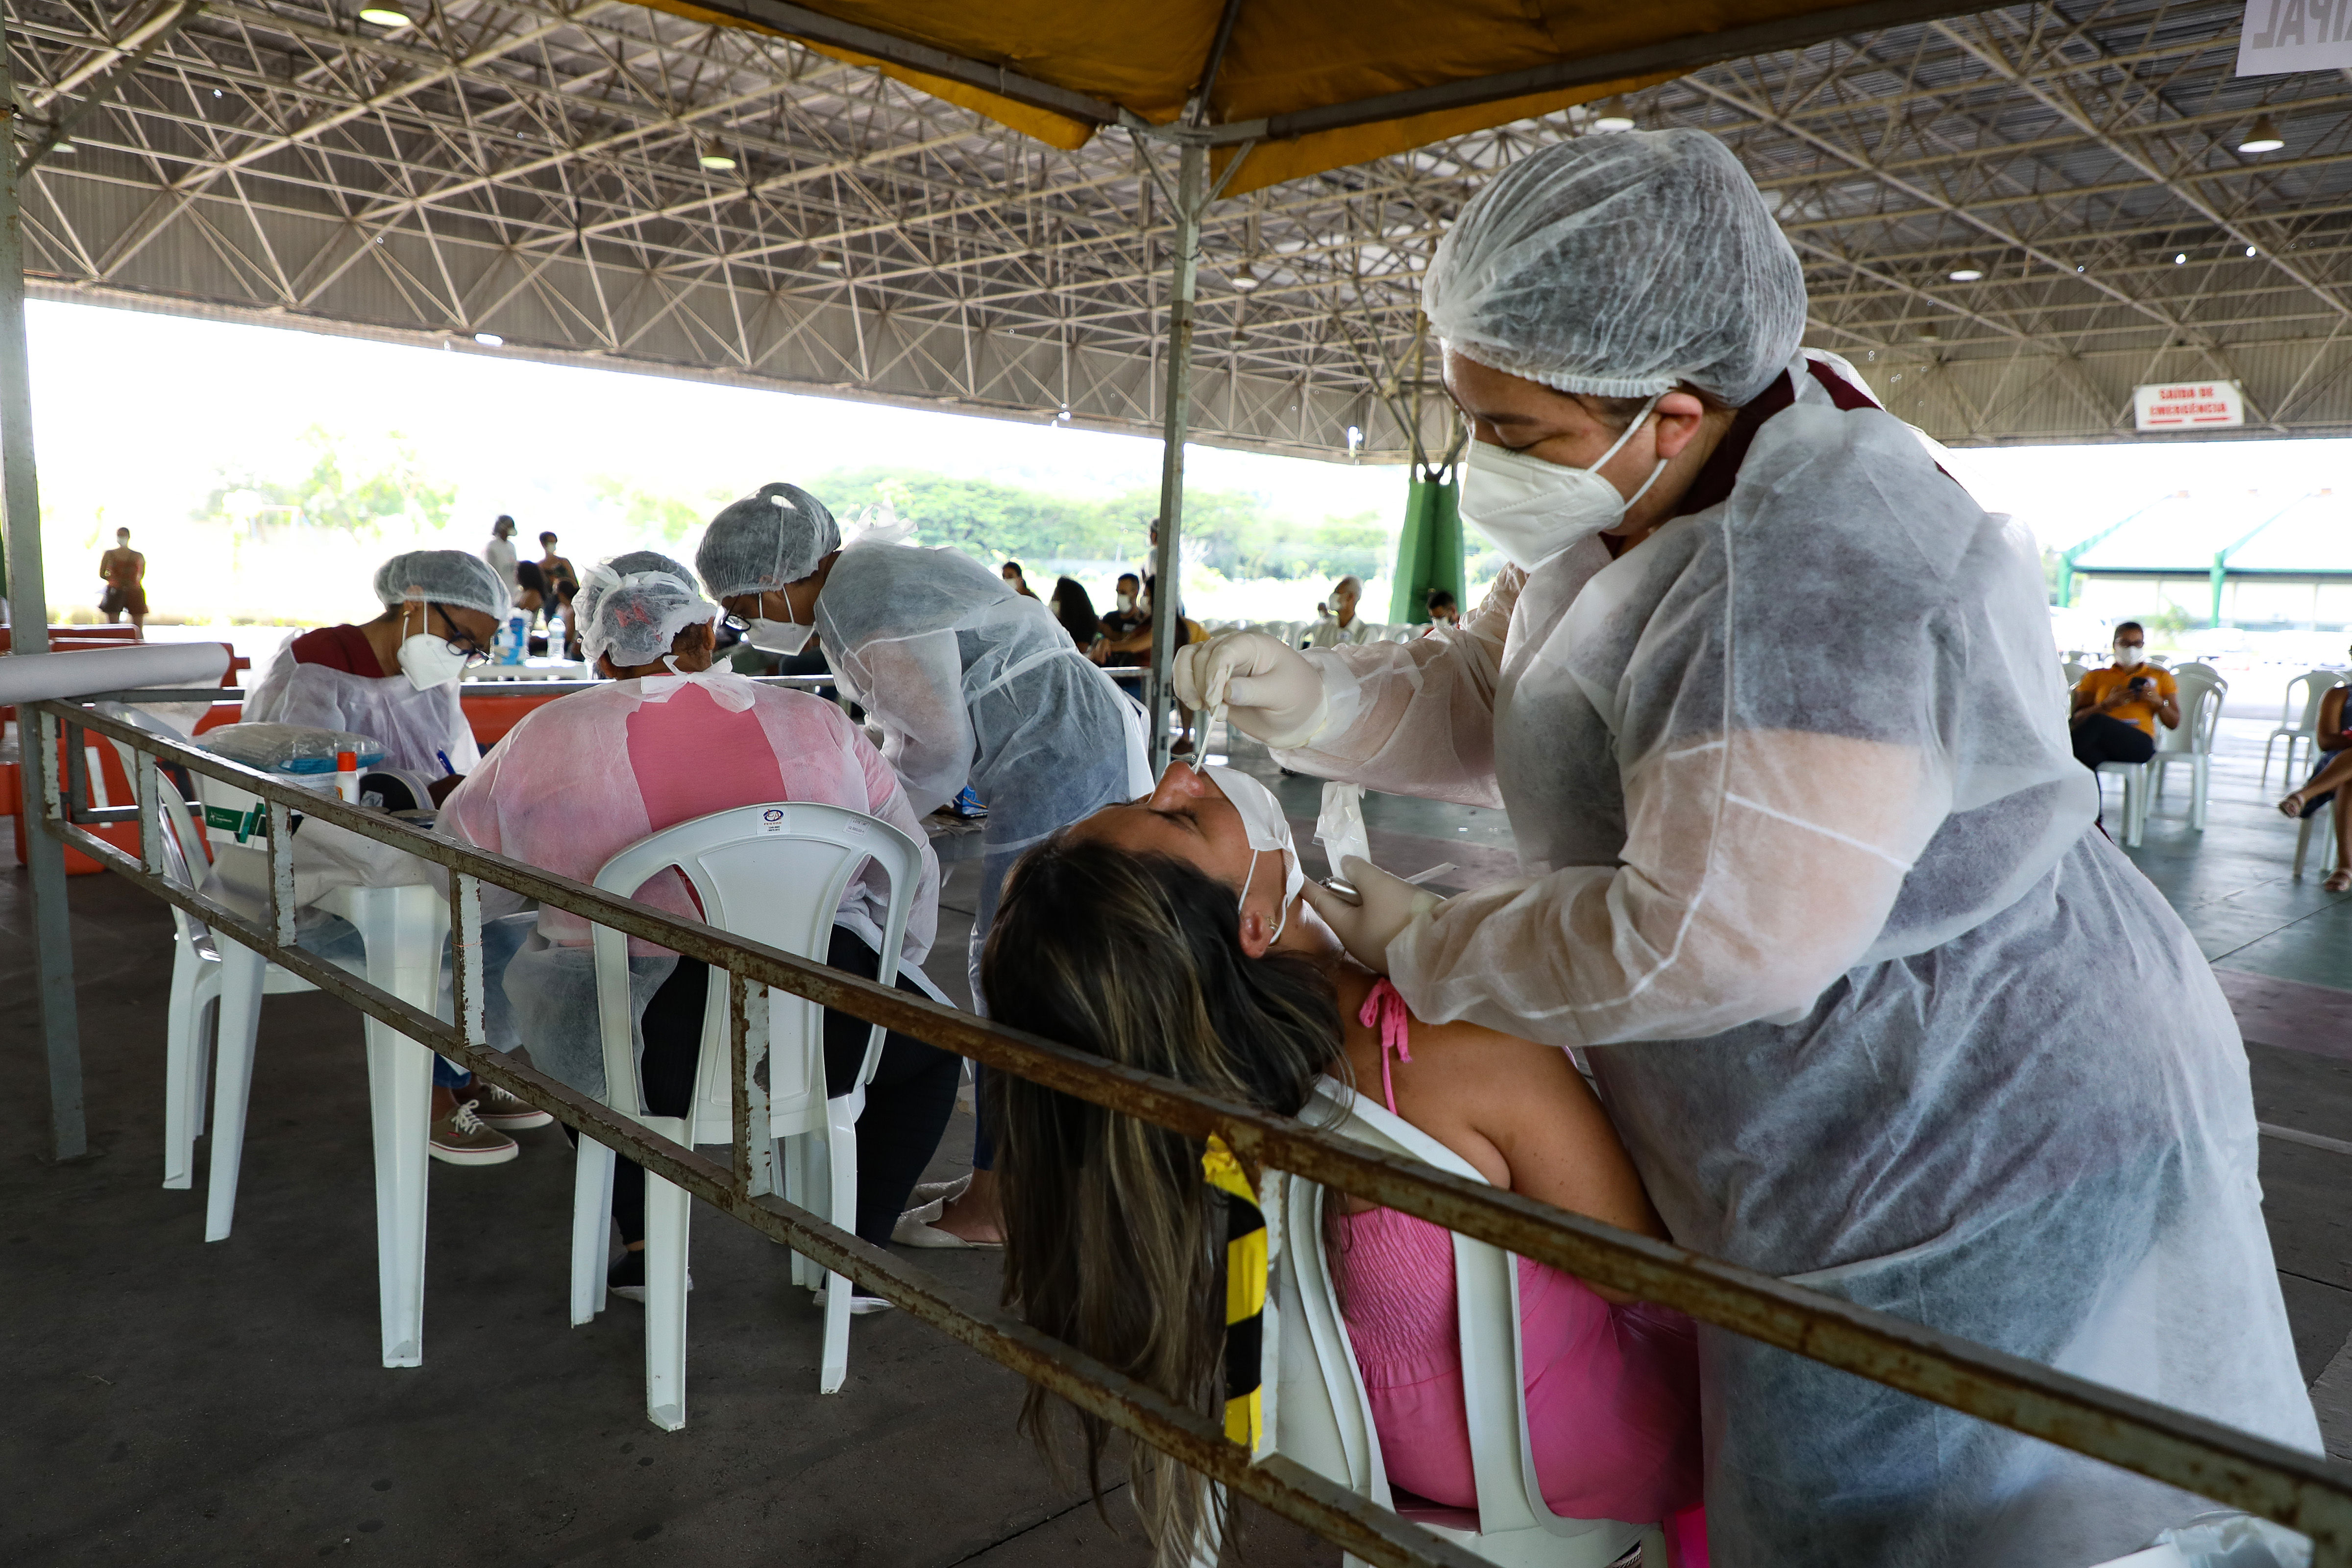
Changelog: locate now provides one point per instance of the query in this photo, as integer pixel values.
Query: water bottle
(518, 637)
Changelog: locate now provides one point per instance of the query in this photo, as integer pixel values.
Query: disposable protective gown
(1877, 1009)
(973, 683)
(585, 776)
(415, 726)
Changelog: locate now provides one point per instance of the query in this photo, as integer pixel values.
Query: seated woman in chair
(1170, 935)
(2323, 790)
(585, 776)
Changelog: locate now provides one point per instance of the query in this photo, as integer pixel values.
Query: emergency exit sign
(2190, 406)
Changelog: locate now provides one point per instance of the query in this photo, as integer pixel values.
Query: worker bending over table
(1810, 874)
(585, 776)
(395, 681)
(970, 682)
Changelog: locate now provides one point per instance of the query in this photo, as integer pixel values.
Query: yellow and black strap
(1246, 1263)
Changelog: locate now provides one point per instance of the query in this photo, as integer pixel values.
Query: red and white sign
(2190, 406)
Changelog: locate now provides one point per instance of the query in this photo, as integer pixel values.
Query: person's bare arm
(2167, 707)
(2332, 737)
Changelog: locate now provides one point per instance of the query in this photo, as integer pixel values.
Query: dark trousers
(906, 1105)
(2103, 738)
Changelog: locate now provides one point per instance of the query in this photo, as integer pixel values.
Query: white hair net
(766, 541)
(630, 560)
(634, 618)
(1621, 265)
(444, 577)
(628, 564)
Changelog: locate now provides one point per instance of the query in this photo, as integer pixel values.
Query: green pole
(1429, 551)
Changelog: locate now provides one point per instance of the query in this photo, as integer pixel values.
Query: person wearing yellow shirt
(2117, 709)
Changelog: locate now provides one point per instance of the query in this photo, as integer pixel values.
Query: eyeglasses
(461, 642)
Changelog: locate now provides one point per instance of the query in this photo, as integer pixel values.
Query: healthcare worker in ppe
(1809, 866)
(668, 740)
(971, 683)
(394, 680)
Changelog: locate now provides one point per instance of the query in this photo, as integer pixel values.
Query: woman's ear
(1257, 934)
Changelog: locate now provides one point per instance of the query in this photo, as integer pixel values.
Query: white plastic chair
(2314, 685)
(1323, 1418)
(2202, 690)
(404, 929)
(773, 874)
(195, 996)
(2073, 669)
(2134, 777)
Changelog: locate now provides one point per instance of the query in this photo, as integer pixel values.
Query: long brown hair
(1113, 1241)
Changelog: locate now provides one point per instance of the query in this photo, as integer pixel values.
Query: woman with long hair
(1170, 935)
(1076, 611)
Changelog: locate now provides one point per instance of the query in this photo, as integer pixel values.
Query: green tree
(664, 516)
(1229, 531)
(340, 491)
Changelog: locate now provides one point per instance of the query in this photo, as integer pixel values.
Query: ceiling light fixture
(1244, 278)
(1612, 116)
(489, 339)
(2181, 259)
(828, 263)
(385, 17)
(2251, 251)
(2263, 138)
(714, 157)
(1967, 272)
(1927, 332)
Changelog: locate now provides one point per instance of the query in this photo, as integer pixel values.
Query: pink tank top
(1612, 1392)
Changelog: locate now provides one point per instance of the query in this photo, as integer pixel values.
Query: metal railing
(2232, 1468)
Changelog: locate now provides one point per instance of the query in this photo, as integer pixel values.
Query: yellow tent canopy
(1305, 85)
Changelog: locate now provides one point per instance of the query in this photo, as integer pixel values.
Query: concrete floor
(175, 1402)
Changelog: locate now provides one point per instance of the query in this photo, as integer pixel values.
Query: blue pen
(445, 763)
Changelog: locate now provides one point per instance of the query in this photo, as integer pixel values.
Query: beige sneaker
(460, 1138)
(500, 1111)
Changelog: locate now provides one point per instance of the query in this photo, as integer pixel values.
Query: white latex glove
(1384, 906)
(1267, 688)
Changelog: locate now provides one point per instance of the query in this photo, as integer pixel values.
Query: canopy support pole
(20, 494)
(1167, 627)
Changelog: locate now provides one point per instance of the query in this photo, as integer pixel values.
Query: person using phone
(2116, 710)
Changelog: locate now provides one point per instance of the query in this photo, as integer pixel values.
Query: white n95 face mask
(785, 637)
(429, 662)
(1532, 509)
(2126, 658)
(1266, 829)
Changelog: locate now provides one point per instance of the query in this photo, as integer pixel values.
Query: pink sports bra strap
(1385, 1011)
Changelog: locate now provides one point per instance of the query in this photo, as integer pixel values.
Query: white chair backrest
(2201, 693)
(2300, 705)
(182, 855)
(1322, 1414)
(2074, 671)
(2321, 682)
(773, 874)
